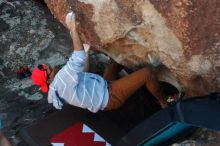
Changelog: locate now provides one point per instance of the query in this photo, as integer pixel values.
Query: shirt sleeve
(54, 98)
(77, 60)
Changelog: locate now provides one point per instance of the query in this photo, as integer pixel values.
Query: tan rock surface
(184, 35)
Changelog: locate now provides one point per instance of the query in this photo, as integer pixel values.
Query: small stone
(32, 31)
(36, 96)
(15, 140)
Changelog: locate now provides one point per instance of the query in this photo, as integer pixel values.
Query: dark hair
(41, 67)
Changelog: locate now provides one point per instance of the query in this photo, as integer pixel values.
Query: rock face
(184, 35)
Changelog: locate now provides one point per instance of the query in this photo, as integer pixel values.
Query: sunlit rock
(183, 35)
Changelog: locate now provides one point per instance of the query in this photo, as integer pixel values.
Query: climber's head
(43, 75)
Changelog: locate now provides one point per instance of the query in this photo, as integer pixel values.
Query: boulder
(181, 36)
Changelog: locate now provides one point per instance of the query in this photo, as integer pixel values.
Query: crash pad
(56, 127)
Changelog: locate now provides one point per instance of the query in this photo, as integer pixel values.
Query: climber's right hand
(71, 21)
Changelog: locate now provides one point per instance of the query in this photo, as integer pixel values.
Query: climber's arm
(87, 64)
(77, 44)
(71, 25)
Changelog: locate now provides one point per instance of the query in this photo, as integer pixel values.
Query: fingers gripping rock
(70, 19)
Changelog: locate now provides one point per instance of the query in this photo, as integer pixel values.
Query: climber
(90, 91)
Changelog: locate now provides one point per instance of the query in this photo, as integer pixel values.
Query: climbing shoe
(171, 99)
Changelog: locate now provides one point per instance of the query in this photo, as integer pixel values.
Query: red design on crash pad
(78, 135)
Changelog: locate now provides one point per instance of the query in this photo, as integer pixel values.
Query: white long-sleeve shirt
(78, 88)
